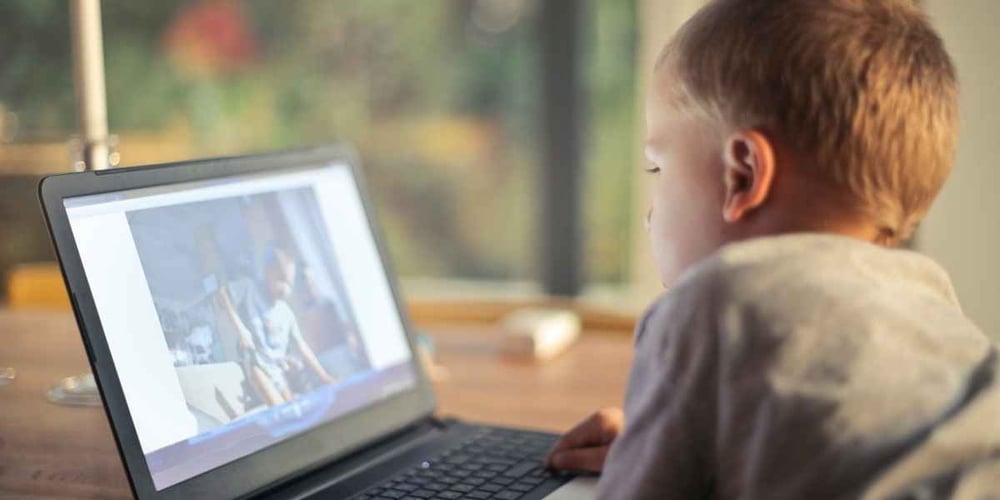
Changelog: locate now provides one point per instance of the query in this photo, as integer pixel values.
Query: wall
(962, 230)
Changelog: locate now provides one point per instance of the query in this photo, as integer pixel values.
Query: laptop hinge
(441, 423)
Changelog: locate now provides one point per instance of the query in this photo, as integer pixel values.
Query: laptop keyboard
(498, 464)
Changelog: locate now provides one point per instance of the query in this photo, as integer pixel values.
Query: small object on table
(7, 375)
(426, 351)
(80, 390)
(539, 333)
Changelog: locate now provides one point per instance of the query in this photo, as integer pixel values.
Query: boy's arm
(245, 337)
(308, 355)
(667, 447)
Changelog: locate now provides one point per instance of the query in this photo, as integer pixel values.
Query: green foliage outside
(442, 109)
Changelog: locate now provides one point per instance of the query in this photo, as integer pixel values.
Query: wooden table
(51, 451)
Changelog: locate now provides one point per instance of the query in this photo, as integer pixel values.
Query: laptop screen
(240, 312)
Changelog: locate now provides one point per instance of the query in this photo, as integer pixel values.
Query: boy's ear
(749, 168)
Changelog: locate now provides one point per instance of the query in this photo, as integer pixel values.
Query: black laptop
(246, 332)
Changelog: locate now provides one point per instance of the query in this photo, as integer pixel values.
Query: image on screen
(240, 312)
(250, 301)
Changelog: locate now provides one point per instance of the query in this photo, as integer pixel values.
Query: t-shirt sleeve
(666, 448)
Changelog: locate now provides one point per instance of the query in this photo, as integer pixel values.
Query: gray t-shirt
(809, 366)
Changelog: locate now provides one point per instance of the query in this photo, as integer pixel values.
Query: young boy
(796, 355)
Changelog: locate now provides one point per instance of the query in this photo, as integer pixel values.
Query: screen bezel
(283, 460)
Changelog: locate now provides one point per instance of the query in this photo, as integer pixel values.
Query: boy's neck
(800, 205)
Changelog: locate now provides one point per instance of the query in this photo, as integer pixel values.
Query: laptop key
(532, 480)
(479, 495)
(498, 460)
(522, 487)
(539, 472)
(521, 469)
(491, 487)
(422, 493)
(507, 495)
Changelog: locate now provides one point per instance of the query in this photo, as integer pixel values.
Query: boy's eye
(651, 169)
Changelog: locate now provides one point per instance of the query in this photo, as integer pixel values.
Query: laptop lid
(240, 316)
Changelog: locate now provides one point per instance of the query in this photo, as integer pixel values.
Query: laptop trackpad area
(580, 488)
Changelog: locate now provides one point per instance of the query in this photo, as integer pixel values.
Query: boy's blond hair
(861, 88)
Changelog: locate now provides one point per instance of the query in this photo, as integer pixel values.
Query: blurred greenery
(611, 84)
(36, 71)
(441, 97)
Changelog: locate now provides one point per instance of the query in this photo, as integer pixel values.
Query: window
(37, 119)
(441, 98)
(609, 158)
(438, 96)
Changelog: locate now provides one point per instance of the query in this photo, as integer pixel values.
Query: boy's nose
(645, 222)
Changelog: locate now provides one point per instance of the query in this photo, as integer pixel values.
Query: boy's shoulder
(796, 268)
(804, 327)
(813, 283)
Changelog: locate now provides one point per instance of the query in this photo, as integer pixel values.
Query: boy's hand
(585, 446)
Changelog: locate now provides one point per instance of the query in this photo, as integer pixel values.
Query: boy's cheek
(666, 243)
(682, 229)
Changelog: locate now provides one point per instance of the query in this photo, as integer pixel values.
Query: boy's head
(279, 273)
(774, 116)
